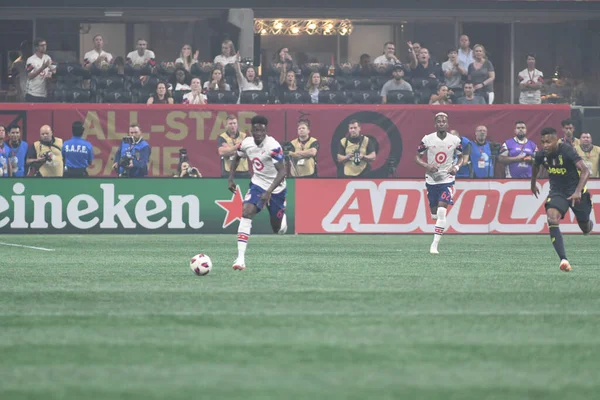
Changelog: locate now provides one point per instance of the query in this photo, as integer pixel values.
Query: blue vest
(77, 153)
(481, 160)
(464, 171)
(4, 157)
(17, 158)
(141, 156)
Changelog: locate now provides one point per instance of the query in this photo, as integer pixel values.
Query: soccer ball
(201, 264)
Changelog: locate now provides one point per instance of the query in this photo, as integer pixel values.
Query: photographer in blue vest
(133, 156)
(18, 151)
(482, 159)
(465, 170)
(77, 153)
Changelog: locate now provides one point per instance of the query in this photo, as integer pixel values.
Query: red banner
(401, 206)
(397, 129)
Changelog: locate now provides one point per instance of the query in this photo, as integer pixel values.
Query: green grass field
(313, 317)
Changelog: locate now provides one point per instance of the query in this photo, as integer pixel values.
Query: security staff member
(355, 153)
(228, 143)
(304, 154)
(45, 156)
(77, 153)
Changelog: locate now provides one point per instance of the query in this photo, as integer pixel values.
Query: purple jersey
(512, 148)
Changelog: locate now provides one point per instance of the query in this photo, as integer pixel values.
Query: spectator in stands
(195, 96)
(78, 153)
(44, 157)
(426, 76)
(414, 49)
(216, 81)
(119, 64)
(141, 56)
(442, 96)
(568, 129)
(5, 166)
(250, 81)
(465, 54)
(589, 153)
(287, 82)
(18, 151)
(186, 59)
(161, 96)
(355, 154)
(517, 153)
(481, 73)
(282, 60)
(228, 54)
(137, 152)
(397, 83)
(530, 83)
(228, 143)
(39, 71)
(18, 70)
(181, 79)
(388, 56)
(481, 154)
(303, 155)
(314, 86)
(453, 72)
(465, 169)
(469, 96)
(364, 66)
(97, 55)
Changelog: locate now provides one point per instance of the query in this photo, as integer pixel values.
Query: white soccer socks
(283, 227)
(243, 235)
(440, 225)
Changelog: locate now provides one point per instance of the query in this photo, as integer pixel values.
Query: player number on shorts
(257, 164)
(440, 157)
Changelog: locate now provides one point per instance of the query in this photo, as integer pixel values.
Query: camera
(48, 156)
(247, 61)
(193, 171)
(287, 147)
(356, 157)
(183, 157)
(495, 149)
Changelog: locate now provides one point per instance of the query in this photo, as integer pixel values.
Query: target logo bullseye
(257, 165)
(441, 157)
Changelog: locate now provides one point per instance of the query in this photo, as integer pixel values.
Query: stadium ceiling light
(342, 27)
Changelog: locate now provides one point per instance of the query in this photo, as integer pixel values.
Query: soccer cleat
(433, 249)
(239, 265)
(565, 266)
(283, 227)
(590, 231)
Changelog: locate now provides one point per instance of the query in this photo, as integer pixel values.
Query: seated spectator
(97, 56)
(186, 59)
(141, 56)
(530, 83)
(162, 95)
(481, 73)
(314, 86)
(397, 83)
(453, 72)
(441, 97)
(195, 96)
(469, 95)
(288, 83)
(228, 54)
(119, 64)
(248, 82)
(364, 66)
(216, 81)
(181, 80)
(388, 56)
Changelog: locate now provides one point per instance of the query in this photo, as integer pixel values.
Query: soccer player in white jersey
(267, 187)
(442, 149)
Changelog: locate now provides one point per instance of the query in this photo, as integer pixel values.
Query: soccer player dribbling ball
(568, 176)
(267, 186)
(442, 149)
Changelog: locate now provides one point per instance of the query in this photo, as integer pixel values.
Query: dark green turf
(313, 317)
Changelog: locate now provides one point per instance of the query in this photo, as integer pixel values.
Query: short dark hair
(77, 128)
(386, 43)
(304, 121)
(95, 36)
(13, 126)
(259, 119)
(134, 125)
(548, 131)
(467, 83)
(566, 122)
(37, 41)
(231, 117)
(532, 55)
(452, 50)
(353, 121)
(520, 122)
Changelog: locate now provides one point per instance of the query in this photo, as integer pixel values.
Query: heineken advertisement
(127, 206)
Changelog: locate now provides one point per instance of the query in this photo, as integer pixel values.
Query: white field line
(24, 246)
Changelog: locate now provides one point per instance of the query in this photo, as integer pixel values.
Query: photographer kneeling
(185, 170)
(133, 156)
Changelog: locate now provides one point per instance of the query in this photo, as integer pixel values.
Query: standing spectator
(314, 86)
(364, 65)
(481, 154)
(228, 144)
(195, 96)
(304, 153)
(78, 153)
(97, 55)
(161, 96)
(282, 60)
(228, 54)
(18, 151)
(517, 153)
(186, 60)
(469, 95)
(441, 97)
(45, 155)
(453, 72)
(530, 83)
(589, 153)
(355, 154)
(216, 81)
(481, 73)
(39, 71)
(134, 154)
(181, 79)
(426, 76)
(141, 56)
(465, 54)
(18, 70)
(397, 83)
(388, 56)
(248, 80)
(5, 165)
(568, 129)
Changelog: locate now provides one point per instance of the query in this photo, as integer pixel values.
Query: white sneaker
(283, 228)
(239, 265)
(433, 249)
(565, 266)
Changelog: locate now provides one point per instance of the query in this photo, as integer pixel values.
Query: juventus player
(442, 149)
(267, 186)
